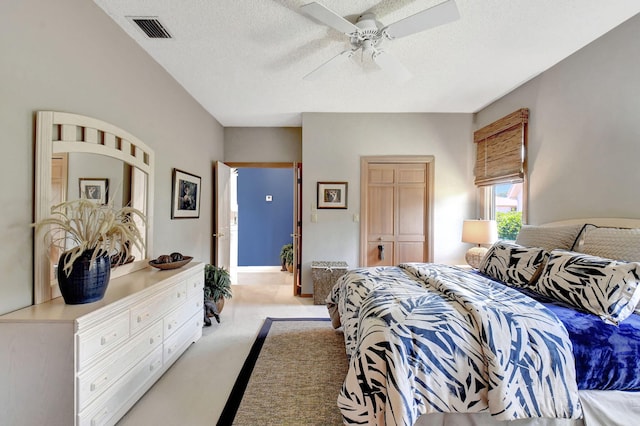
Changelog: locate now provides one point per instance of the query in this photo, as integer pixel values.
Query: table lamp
(478, 232)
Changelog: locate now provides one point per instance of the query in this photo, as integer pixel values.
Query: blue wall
(264, 227)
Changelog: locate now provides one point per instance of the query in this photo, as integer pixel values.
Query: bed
(546, 332)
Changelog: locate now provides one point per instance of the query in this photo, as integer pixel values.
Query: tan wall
(584, 130)
(67, 55)
(263, 144)
(332, 145)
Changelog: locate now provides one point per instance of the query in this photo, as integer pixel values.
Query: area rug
(292, 376)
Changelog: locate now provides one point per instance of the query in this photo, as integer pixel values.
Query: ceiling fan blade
(391, 65)
(429, 18)
(329, 17)
(330, 64)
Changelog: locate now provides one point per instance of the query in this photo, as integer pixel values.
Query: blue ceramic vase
(85, 283)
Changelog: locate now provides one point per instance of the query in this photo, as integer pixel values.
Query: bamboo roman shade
(501, 148)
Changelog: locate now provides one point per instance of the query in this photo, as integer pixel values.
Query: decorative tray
(171, 265)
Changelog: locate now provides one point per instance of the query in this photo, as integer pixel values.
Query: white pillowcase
(513, 264)
(605, 287)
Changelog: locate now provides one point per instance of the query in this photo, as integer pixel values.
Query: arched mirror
(76, 155)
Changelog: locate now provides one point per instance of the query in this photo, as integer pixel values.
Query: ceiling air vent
(151, 26)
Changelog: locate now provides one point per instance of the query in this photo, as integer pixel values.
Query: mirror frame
(78, 133)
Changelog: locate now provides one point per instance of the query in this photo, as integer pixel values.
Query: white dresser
(88, 364)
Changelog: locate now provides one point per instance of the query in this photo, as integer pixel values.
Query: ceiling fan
(367, 34)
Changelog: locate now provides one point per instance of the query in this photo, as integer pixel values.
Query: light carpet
(292, 376)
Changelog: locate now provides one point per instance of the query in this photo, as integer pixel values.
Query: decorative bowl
(171, 265)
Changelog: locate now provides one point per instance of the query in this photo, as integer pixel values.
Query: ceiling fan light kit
(367, 34)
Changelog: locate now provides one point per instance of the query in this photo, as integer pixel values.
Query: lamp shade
(479, 231)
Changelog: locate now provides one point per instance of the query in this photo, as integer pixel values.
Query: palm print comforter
(426, 338)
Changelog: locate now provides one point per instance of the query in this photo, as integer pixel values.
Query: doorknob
(220, 235)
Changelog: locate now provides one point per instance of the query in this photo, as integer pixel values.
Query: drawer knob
(107, 339)
(100, 417)
(143, 317)
(101, 381)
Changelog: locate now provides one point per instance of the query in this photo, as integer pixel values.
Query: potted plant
(290, 260)
(217, 287)
(284, 255)
(88, 234)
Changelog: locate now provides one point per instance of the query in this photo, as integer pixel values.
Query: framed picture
(185, 199)
(332, 195)
(95, 189)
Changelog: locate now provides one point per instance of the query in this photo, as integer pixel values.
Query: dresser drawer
(175, 345)
(176, 318)
(101, 411)
(92, 343)
(149, 311)
(195, 285)
(99, 378)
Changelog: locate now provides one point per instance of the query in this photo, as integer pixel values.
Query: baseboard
(241, 269)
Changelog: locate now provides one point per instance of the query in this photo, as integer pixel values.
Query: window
(501, 172)
(507, 201)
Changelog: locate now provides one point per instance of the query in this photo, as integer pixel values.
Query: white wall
(67, 55)
(584, 130)
(332, 145)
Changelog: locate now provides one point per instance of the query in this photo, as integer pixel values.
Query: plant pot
(87, 281)
(289, 267)
(220, 304)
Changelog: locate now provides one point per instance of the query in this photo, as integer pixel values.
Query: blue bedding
(607, 356)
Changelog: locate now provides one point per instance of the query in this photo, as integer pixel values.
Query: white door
(222, 221)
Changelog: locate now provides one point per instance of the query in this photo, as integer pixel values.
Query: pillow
(612, 243)
(513, 264)
(605, 287)
(577, 245)
(549, 237)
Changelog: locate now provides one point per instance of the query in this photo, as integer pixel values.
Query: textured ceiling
(243, 60)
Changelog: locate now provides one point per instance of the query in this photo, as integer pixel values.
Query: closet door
(381, 214)
(395, 226)
(411, 196)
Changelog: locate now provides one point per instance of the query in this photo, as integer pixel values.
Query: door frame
(429, 162)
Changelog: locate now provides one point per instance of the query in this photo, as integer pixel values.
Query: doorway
(263, 216)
